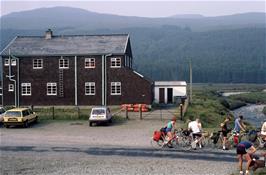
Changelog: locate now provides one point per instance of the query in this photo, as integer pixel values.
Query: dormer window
(115, 62)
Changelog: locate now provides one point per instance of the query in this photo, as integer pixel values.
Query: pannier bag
(236, 140)
(257, 164)
(157, 135)
(215, 137)
(186, 132)
(252, 135)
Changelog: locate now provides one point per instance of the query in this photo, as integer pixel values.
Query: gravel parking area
(123, 148)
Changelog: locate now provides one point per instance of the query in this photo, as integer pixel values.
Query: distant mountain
(223, 49)
(188, 16)
(66, 17)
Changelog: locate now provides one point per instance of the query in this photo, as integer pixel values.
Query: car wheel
(26, 124)
(90, 123)
(7, 126)
(36, 119)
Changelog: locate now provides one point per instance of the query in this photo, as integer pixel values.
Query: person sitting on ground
(239, 125)
(168, 129)
(263, 131)
(244, 150)
(196, 128)
(225, 131)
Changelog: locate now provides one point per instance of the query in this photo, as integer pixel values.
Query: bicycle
(181, 139)
(259, 143)
(234, 138)
(159, 140)
(187, 141)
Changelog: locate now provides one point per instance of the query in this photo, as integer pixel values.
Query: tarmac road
(124, 148)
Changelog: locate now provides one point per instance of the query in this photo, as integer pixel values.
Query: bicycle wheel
(185, 143)
(258, 143)
(219, 144)
(206, 142)
(157, 144)
(175, 143)
(230, 142)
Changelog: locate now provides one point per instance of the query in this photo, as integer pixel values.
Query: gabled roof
(67, 45)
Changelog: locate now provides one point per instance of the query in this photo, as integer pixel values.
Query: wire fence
(163, 112)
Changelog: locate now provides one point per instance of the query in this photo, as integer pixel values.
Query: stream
(252, 113)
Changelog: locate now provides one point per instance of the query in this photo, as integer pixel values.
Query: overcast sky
(143, 8)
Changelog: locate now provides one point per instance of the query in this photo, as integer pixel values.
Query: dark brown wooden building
(72, 70)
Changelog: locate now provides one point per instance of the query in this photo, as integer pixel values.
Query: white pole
(103, 80)
(190, 72)
(18, 80)
(76, 83)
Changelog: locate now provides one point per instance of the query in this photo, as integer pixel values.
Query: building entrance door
(169, 95)
(161, 95)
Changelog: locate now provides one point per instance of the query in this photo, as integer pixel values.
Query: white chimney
(49, 34)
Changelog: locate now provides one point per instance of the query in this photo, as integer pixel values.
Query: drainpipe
(76, 83)
(18, 81)
(105, 78)
(2, 80)
(9, 76)
(18, 75)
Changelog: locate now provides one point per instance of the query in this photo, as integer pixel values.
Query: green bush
(252, 97)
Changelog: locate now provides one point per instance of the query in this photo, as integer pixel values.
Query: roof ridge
(40, 36)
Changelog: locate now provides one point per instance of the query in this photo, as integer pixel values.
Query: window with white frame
(63, 63)
(25, 89)
(37, 63)
(115, 62)
(89, 62)
(11, 87)
(115, 88)
(13, 62)
(6, 62)
(89, 88)
(51, 89)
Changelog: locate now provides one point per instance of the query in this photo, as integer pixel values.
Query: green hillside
(227, 49)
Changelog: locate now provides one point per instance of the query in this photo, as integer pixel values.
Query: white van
(100, 115)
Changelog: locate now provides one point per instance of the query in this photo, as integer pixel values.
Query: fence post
(31, 107)
(78, 110)
(181, 111)
(140, 112)
(53, 112)
(161, 115)
(126, 113)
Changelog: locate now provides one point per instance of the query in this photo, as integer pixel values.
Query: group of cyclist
(194, 127)
(244, 149)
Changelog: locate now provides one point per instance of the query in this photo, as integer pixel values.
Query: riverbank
(206, 105)
(211, 107)
(251, 97)
(252, 114)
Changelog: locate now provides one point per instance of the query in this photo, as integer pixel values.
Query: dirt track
(124, 148)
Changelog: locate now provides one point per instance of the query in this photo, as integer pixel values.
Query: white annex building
(169, 91)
